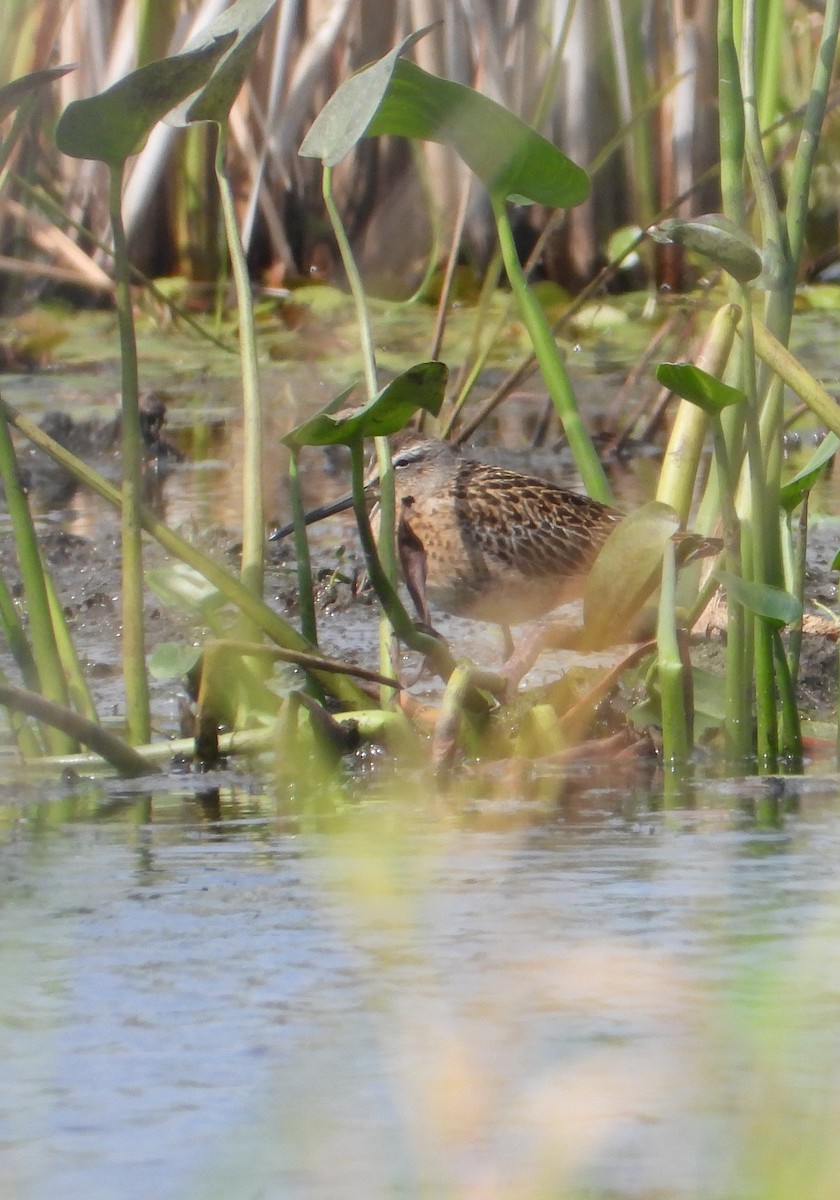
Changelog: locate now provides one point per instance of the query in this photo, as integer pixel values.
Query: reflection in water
(225, 995)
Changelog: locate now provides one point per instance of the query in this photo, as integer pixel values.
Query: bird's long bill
(317, 514)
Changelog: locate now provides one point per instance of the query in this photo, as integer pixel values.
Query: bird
(480, 541)
(487, 543)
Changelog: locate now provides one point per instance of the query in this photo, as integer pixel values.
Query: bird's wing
(530, 524)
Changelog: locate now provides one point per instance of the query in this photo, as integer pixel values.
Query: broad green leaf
(512, 160)
(244, 19)
(421, 386)
(173, 660)
(625, 574)
(15, 92)
(348, 112)
(796, 488)
(720, 239)
(698, 386)
(115, 124)
(772, 603)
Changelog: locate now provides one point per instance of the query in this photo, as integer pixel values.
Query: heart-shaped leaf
(625, 573)
(698, 386)
(115, 124)
(720, 239)
(512, 160)
(351, 108)
(421, 386)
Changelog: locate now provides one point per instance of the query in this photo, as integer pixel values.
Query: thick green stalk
(77, 687)
(354, 280)
(12, 627)
(738, 732)
(676, 718)
(387, 502)
(135, 679)
(372, 725)
(791, 733)
(51, 681)
(688, 435)
(306, 600)
(253, 526)
(551, 363)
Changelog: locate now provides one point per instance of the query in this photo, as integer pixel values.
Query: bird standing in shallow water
(483, 542)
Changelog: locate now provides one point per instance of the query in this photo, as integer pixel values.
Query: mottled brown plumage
(483, 542)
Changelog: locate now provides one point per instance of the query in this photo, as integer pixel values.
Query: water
(413, 998)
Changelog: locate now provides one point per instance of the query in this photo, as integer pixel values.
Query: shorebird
(480, 541)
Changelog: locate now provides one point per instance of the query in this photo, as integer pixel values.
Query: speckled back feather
(530, 524)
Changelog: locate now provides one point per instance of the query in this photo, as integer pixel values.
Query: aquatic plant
(748, 421)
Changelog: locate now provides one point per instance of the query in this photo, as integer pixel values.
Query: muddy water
(415, 999)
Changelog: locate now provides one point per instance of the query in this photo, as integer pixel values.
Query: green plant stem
(806, 150)
(12, 627)
(137, 719)
(76, 728)
(306, 599)
(354, 281)
(77, 688)
(790, 371)
(797, 587)
(253, 526)
(551, 363)
(270, 622)
(51, 681)
(688, 434)
(372, 724)
(676, 718)
(791, 733)
(387, 503)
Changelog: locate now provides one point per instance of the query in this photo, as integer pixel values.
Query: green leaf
(698, 386)
(115, 124)
(348, 112)
(172, 660)
(15, 92)
(796, 489)
(773, 603)
(245, 19)
(512, 160)
(421, 386)
(720, 239)
(625, 574)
